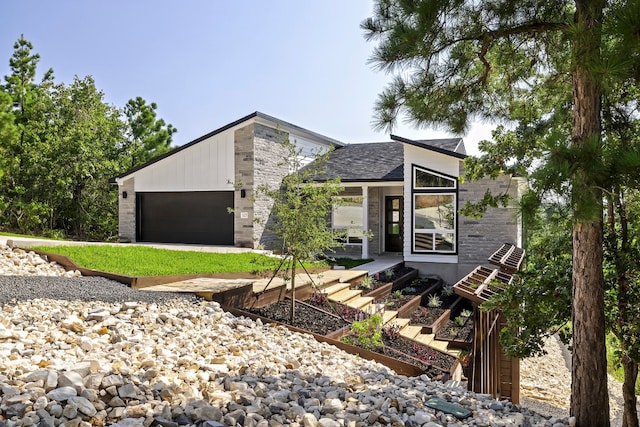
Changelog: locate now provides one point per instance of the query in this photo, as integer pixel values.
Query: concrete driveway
(24, 242)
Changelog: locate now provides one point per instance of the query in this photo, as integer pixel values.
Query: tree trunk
(293, 290)
(630, 415)
(589, 396)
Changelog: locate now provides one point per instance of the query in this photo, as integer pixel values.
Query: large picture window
(347, 218)
(434, 212)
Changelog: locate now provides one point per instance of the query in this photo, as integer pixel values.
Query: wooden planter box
(437, 324)
(455, 372)
(387, 288)
(406, 309)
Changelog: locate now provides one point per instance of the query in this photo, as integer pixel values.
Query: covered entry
(200, 217)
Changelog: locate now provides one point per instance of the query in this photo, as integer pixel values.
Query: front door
(393, 223)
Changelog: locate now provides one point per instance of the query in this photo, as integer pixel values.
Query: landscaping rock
(17, 262)
(161, 363)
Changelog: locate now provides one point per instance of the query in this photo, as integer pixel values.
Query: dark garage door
(188, 217)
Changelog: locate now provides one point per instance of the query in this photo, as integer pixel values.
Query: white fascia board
(442, 259)
(373, 184)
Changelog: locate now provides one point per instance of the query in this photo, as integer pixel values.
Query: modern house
(405, 192)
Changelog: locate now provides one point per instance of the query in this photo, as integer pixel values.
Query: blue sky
(207, 63)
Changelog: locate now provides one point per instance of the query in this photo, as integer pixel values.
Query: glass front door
(393, 223)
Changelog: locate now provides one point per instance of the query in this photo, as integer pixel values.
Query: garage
(185, 217)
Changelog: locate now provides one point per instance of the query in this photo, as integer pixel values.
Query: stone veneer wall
(127, 211)
(479, 238)
(244, 180)
(267, 153)
(374, 214)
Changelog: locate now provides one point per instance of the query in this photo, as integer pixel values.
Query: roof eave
(428, 147)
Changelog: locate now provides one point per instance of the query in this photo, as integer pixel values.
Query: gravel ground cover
(19, 288)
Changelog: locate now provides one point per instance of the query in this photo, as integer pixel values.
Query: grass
(349, 262)
(145, 261)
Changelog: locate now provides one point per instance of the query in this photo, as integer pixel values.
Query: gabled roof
(255, 115)
(381, 161)
(376, 161)
(450, 146)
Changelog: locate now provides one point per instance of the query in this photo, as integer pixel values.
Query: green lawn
(3, 233)
(349, 263)
(146, 261)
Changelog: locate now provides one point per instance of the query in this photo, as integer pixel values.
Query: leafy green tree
(621, 118)
(60, 144)
(622, 256)
(300, 210)
(84, 149)
(538, 303)
(531, 63)
(147, 136)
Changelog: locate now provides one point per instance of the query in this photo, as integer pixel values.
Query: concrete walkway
(381, 263)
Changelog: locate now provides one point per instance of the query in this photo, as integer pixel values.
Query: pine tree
(543, 66)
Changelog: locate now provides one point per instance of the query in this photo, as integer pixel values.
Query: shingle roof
(381, 161)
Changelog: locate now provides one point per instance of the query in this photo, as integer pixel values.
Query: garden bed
(316, 319)
(386, 281)
(458, 329)
(435, 310)
(306, 317)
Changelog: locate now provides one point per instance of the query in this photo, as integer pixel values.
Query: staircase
(337, 287)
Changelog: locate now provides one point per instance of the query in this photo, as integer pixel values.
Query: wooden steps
(344, 295)
(336, 284)
(332, 289)
(360, 302)
(410, 331)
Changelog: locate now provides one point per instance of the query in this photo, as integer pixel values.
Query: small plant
(454, 332)
(460, 321)
(388, 273)
(419, 313)
(409, 290)
(367, 282)
(397, 294)
(447, 290)
(319, 298)
(391, 331)
(349, 313)
(416, 282)
(465, 313)
(424, 353)
(366, 333)
(434, 301)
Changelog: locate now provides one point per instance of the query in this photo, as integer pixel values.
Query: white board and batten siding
(205, 166)
(436, 162)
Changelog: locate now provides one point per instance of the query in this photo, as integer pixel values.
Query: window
(434, 212)
(347, 218)
(423, 180)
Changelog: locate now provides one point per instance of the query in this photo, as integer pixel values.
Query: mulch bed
(420, 351)
(306, 317)
(380, 279)
(451, 331)
(392, 302)
(343, 311)
(425, 316)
